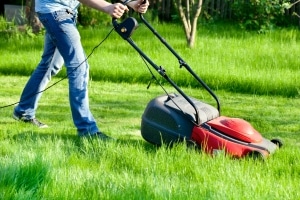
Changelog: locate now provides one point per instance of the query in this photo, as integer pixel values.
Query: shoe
(98, 135)
(102, 136)
(33, 121)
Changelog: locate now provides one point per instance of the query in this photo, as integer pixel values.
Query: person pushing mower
(62, 44)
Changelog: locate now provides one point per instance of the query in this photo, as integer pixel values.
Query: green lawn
(256, 77)
(225, 57)
(54, 164)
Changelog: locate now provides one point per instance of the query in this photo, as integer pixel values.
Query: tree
(288, 5)
(189, 12)
(32, 19)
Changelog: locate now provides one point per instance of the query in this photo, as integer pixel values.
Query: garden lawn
(54, 163)
(255, 76)
(225, 57)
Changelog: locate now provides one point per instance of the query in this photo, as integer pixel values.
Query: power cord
(1, 107)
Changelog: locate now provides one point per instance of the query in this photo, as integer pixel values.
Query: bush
(258, 15)
(91, 17)
(7, 29)
(12, 30)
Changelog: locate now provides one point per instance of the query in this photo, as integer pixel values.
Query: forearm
(116, 10)
(100, 5)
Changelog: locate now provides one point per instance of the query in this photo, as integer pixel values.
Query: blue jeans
(62, 44)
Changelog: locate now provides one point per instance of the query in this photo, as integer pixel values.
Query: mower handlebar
(125, 29)
(115, 20)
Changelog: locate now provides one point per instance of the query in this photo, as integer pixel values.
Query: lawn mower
(177, 117)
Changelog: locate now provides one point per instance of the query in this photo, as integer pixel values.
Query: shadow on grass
(35, 135)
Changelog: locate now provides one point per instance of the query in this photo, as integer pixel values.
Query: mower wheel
(256, 155)
(278, 142)
(192, 145)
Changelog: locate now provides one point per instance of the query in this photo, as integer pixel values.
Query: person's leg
(56, 64)
(50, 64)
(65, 36)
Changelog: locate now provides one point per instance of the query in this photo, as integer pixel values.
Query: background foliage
(260, 14)
(250, 14)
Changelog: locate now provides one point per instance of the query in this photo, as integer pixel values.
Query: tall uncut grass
(54, 164)
(224, 57)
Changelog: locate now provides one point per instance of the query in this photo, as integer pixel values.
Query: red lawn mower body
(234, 136)
(169, 119)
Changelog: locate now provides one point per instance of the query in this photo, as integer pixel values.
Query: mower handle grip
(115, 20)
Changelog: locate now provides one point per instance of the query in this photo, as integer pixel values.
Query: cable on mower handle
(182, 63)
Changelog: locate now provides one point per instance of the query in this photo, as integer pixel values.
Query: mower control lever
(125, 28)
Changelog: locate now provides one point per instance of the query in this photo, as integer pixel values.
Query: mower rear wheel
(278, 142)
(256, 155)
(193, 145)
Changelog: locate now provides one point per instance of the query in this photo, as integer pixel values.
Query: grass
(255, 76)
(225, 58)
(54, 164)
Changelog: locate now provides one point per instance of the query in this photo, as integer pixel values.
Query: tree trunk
(32, 19)
(189, 15)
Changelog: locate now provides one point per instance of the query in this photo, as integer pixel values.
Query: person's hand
(140, 6)
(117, 10)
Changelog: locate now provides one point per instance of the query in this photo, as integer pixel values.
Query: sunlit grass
(254, 76)
(224, 56)
(54, 164)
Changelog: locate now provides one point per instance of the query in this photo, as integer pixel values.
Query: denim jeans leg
(64, 35)
(56, 64)
(50, 65)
